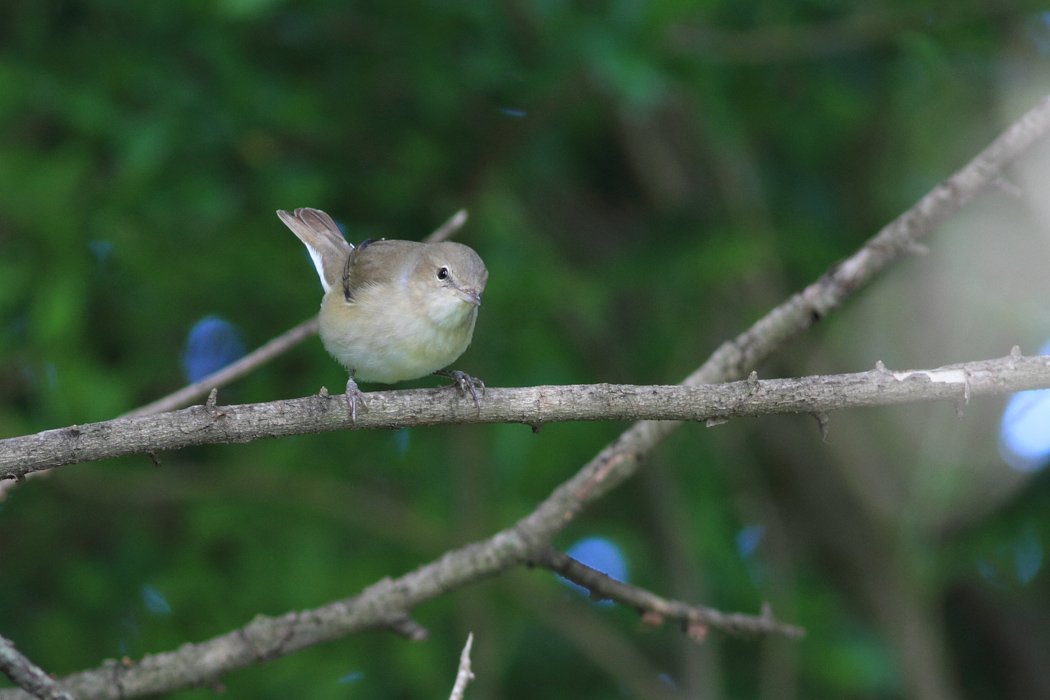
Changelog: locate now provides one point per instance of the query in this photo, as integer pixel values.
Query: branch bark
(533, 406)
(28, 675)
(654, 609)
(463, 675)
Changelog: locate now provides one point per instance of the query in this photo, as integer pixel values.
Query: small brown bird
(392, 310)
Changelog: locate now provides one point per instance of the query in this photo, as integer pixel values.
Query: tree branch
(464, 675)
(28, 675)
(202, 425)
(654, 609)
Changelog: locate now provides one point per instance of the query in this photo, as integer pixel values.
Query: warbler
(392, 310)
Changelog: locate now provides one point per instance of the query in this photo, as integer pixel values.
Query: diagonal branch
(266, 638)
(714, 403)
(28, 675)
(654, 609)
(464, 675)
(231, 372)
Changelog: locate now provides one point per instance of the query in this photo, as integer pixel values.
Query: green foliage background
(644, 180)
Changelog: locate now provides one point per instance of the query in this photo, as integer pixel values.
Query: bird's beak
(469, 296)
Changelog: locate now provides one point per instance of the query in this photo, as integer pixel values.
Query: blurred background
(644, 180)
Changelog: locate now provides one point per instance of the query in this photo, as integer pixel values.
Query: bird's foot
(353, 396)
(466, 384)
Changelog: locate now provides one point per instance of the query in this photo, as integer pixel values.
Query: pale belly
(387, 348)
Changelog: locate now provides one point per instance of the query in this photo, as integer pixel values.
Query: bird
(392, 310)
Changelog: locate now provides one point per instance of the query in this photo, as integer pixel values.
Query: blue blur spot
(666, 679)
(989, 572)
(352, 677)
(155, 601)
(129, 638)
(1037, 29)
(510, 112)
(51, 373)
(1024, 432)
(601, 555)
(402, 441)
(101, 250)
(1028, 556)
(212, 344)
(748, 539)
(1023, 557)
(16, 328)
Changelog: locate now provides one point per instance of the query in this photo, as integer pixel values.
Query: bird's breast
(384, 336)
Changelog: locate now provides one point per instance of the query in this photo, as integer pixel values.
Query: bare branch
(449, 228)
(28, 675)
(247, 364)
(534, 406)
(464, 675)
(654, 609)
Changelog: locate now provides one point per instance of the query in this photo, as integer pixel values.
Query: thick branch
(534, 406)
(655, 609)
(28, 675)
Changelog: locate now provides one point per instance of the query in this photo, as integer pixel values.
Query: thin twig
(654, 609)
(249, 363)
(449, 228)
(28, 675)
(464, 675)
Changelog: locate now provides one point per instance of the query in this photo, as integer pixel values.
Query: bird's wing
(328, 249)
(378, 262)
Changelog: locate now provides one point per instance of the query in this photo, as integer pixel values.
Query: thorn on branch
(822, 423)
(213, 398)
(408, 628)
(697, 631)
(651, 618)
(1009, 188)
(913, 248)
(153, 456)
(716, 420)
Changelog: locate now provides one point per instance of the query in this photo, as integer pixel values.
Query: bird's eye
(442, 273)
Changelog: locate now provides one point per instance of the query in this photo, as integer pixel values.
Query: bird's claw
(353, 395)
(468, 385)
